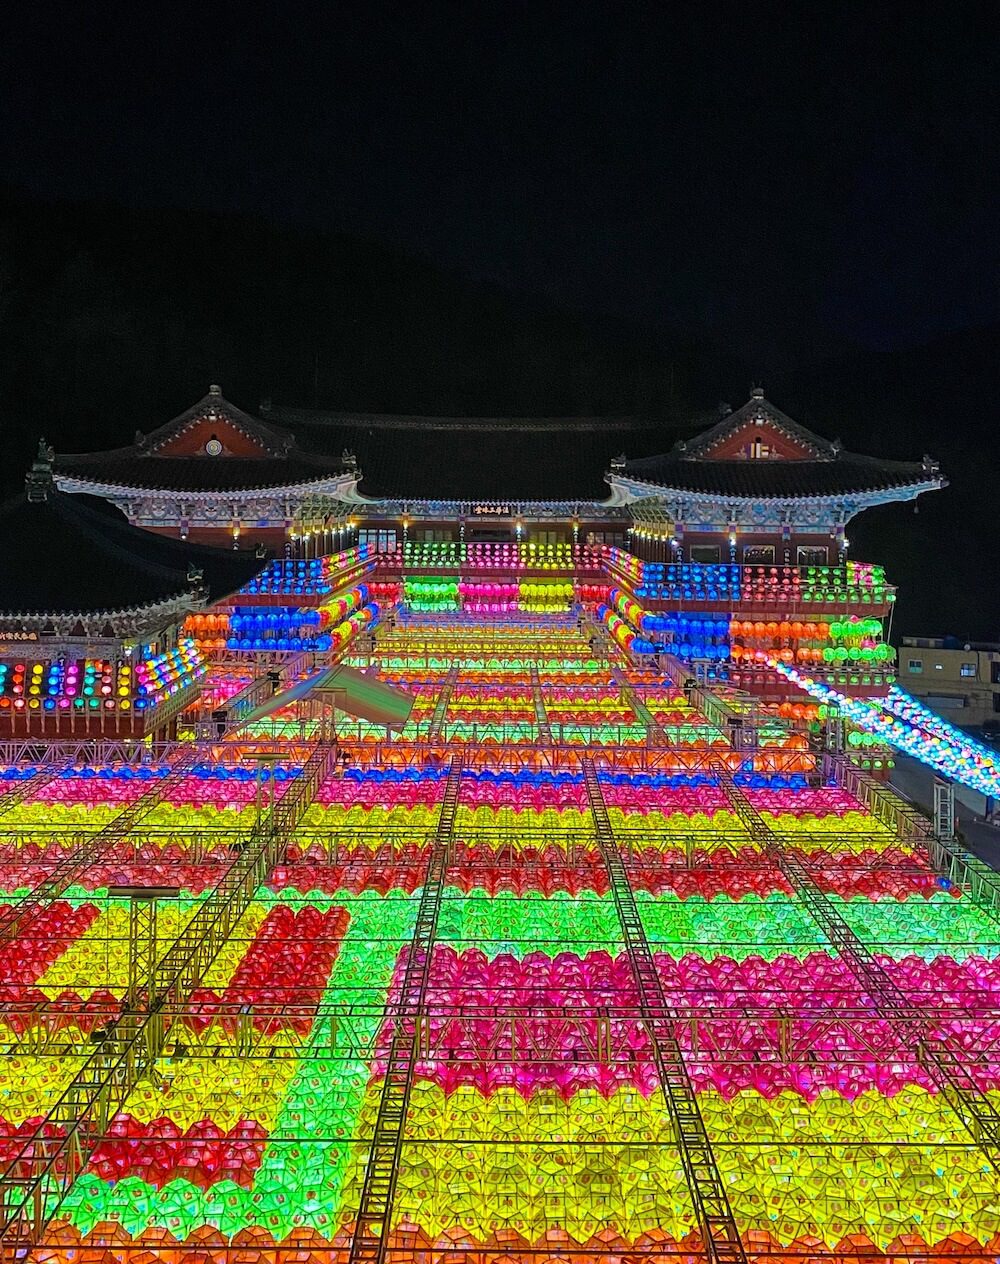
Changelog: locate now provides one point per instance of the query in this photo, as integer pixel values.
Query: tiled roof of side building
(64, 554)
(759, 452)
(124, 467)
(844, 474)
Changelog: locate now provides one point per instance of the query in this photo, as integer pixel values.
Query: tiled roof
(810, 465)
(758, 409)
(126, 467)
(841, 475)
(282, 462)
(478, 458)
(75, 555)
(210, 407)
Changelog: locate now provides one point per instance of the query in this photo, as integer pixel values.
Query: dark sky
(793, 176)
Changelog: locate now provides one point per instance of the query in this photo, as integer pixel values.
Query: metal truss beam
(486, 1033)
(45, 1164)
(720, 1236)
(371, 1231)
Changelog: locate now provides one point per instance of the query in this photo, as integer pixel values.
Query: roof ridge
(321, 418)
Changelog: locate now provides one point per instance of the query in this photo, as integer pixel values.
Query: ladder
(945, 1067)
(716, 1221)
(34, 1180)
(15, 917)
(241, 705)
(541, 715)
(371, 1232)
(441, 706)
(654, 734)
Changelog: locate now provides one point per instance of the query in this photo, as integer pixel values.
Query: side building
(958, 679)
(92, 614)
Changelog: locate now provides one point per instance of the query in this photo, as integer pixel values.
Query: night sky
(793, 178)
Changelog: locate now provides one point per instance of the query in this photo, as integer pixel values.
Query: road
(915, 781)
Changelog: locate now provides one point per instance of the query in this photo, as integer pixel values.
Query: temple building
(756, 487)
(507, 871)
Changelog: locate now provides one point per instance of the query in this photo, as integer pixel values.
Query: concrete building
(959, 679)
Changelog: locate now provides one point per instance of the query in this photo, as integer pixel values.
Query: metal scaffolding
(459, 878)
(25, 787)
(947, 1068)
(45, 1164)
(79, 859)
(441, 706)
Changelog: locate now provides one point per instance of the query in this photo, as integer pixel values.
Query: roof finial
(214, 389)
(756, 392)
(38, 482)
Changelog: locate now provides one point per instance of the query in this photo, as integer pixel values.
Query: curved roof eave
(342, 487)
(180, 601)
(906, 491)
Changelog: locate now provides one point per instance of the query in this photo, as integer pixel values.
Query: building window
(758, 554)
(811, 555)
(707, 554)
(916, 665)
(380, 541)
(967, 669)
(995, 671)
